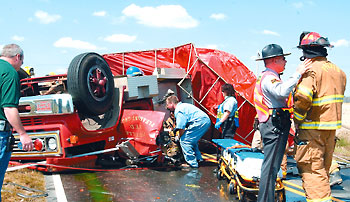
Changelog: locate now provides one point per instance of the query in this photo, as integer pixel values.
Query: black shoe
(335, 178)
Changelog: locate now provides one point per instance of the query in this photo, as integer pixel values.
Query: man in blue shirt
(192, 123)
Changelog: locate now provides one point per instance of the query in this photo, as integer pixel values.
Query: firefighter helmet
(313, 39)
(270, 51)
(134, 71)
(29, 70)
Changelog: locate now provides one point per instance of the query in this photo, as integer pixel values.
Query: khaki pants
(314, 160)
(284, 161)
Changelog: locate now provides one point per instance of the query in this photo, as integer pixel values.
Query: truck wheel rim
(97, 82)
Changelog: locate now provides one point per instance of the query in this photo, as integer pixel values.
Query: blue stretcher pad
(242, 159)
(243, 152)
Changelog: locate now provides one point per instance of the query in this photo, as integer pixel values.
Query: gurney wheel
(241, 195)
(280, 196)
(232, 188)
(219, 175)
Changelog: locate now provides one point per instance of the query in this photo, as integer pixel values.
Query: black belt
(5, 126)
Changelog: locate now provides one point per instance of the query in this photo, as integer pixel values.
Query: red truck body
(67, 131)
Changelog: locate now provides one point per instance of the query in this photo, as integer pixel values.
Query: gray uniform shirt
(275, 91)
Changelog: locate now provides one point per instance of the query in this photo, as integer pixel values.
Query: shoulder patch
(274, 80)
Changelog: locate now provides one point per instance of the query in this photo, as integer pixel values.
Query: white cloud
(120, 38)
(18, 38)
(46, 18)
(268, 32)
(304, 4)
(99, 13)
(61, 71)
(311, 3)
(211, 46)
(118, 20)
(298, 5)
(341, 42)
(1, 46)
(173, 16)
(68, 42)
(218, 16)
(254, 57)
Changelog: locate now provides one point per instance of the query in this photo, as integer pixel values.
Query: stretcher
(241, 167)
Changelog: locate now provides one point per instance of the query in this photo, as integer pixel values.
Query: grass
(24, 177)
(342, 147)
(343, 152)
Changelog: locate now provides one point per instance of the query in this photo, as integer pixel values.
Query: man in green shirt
(11, 60)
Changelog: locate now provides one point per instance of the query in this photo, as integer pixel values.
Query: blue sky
(53, 32)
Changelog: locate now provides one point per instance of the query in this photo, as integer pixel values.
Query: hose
(44, 194)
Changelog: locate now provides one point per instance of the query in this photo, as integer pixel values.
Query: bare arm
(12, 116)
(225, 116)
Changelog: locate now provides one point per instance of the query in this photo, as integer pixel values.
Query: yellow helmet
(29, 70)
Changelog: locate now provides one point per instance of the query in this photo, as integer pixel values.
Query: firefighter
(270, 99)
(317, 112)
(334, 174)
(29, 71)
(192, 123)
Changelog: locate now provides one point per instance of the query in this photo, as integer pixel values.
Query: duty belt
(5, 126)
(290, 110)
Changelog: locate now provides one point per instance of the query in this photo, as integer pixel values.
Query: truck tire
(90, 82)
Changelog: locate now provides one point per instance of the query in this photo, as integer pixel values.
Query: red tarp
(208, 68)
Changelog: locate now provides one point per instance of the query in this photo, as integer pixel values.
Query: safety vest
(261, 107)
(220, 114)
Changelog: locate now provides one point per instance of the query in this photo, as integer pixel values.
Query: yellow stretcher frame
(242, 186)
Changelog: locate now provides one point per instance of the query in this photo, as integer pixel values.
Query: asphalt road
(169, 185)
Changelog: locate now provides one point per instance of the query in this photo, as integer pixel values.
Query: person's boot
(284, 175)
(335, 178)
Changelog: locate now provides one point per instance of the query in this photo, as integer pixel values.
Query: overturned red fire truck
(94, 110)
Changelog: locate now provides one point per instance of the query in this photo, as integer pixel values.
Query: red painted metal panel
(142, 126)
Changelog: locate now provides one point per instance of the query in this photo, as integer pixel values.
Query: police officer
(270, 99)
(317, 112)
